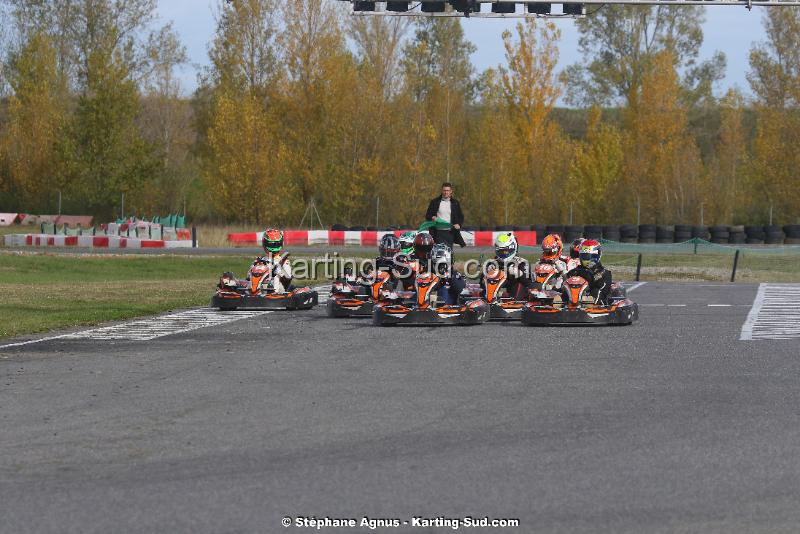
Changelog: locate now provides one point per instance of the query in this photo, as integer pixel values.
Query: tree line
(301, 102)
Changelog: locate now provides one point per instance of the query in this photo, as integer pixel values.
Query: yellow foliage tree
(35, 118)
(596, 172)
(662, 167)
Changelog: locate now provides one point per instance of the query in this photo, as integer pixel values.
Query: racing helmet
(423, 245)
(591, 252)
(389, 246)
(552, 247)
(442, 259)
(407, 242)
(505, 246)
(575, 248)
(272, 242)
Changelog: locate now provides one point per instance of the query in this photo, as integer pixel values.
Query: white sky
(731, 29)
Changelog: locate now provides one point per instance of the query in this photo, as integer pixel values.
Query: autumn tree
(662, 168)
(724, 196)
(242, 153)
(597, 172)
(775, 79)
(530, 89)
(619, 44)
(29, 142)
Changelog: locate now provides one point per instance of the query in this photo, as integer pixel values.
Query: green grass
(43, 292)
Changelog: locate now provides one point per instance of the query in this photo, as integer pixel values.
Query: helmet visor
(589, 259)
(505, 253)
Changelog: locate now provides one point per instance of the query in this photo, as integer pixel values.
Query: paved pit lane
(673, 424)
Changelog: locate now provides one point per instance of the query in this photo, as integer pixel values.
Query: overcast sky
(731, 29)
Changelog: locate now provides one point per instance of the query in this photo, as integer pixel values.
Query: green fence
(701, 260)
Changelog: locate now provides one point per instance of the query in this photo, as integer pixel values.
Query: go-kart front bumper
(619, 313)
(476, 312)
(299, 299)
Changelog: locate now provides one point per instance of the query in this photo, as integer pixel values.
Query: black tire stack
(612, 232)
(647, 233)
(665, 233)
(719, 234)
(629, 233)
(701, 232)
(541, 231)
(572, 232)
(338, 228)
(683, 233)
(755, 235)
(555, 229)
(736, 235)
(773, 235)
(792, 232)
(593, 231)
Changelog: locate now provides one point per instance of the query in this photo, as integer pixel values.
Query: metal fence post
(735, 264)
(639, 267)
(194, 236)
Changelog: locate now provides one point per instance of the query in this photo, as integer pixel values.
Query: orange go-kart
(257, 292)
(358, 299)
(575, 305)
(501, 308)
(424, 309)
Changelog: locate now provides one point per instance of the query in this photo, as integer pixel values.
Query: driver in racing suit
(272, 243)
(388, 250)
(591, 269)
(452, 282)
(552, 249)
(405, 264)
(517, 270)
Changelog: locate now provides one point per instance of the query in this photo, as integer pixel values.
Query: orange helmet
(552, 247)
(272, 242)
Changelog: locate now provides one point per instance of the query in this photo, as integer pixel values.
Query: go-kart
(358, 298)
(424, 310)
(545, 276)
(500, 308)
(257, 292)
(575, 305)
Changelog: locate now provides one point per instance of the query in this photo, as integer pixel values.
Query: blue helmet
(591, 252)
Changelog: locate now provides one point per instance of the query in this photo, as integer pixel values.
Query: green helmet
(407, 242)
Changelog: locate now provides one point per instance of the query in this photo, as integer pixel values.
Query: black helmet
(423, 244)
(389, 246)
(575, 248)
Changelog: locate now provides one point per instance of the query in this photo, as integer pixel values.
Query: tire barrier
(683, 232)
(647, 233)
(629, 233)
(556, 229)
(593, 231)
(701, 232)
(755, 235)
(665, 234)
(792, 232)
(719, 234)
(612, 233)
(572, 232)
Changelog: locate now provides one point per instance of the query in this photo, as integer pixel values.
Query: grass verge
(43, 292)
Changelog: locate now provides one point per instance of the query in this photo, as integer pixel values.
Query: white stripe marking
(775, 313)
(635, 286)
(719, 305)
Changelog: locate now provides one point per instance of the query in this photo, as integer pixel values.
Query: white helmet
(505, 246)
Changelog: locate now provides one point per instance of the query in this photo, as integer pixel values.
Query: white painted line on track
(635, 286)
(775, 313)
(719, 305)
(154, 327)
(676, 305)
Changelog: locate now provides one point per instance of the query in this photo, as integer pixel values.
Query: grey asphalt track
(670, 425)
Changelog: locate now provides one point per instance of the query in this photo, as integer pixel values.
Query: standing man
(446, 208)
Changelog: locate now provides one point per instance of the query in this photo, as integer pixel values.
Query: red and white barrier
(368, 238)
(88, 241)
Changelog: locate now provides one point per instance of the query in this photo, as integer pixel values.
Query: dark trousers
(443, 236)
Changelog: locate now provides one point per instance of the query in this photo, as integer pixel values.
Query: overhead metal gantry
(526, 8)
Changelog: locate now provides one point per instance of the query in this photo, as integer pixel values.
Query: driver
(405, 264)
(592, 270)
(272, 243)
(388, 249)
(452, 282)
(574, 253)
(552, 249)
(516, 268)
